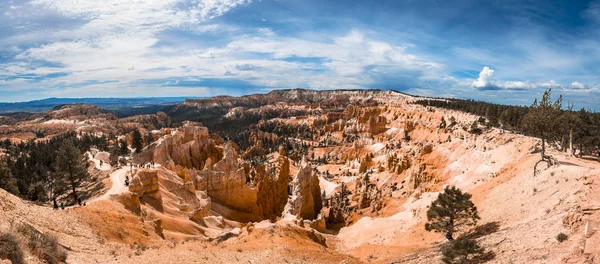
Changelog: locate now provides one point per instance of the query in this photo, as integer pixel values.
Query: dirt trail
(117, 179)
(104, 167)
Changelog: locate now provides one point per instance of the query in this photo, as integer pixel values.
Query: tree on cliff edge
(541, 120)
(452, 210)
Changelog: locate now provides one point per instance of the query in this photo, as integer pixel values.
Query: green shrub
(561, 237)
(465, 251)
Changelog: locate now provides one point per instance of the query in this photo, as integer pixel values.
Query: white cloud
(577, 85)
(486, 81)
(485, 78)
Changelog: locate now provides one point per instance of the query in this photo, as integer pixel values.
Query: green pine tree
(136, 141)
(542, 118)
(123, 149)
(451, 211)
(7, 180)
(71, 166)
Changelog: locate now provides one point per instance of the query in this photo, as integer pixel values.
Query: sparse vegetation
(44, 246)
(585, 124)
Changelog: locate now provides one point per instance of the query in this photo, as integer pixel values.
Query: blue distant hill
(104, 103)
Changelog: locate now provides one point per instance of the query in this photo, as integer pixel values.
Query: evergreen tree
(71, 166)
(451, 211)
(541, 118)
(123, 149)
(136, 141)
(7, 180)
(114, 152)
(148, 139)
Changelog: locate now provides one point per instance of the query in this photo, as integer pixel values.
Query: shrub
(44, 246)
(10, 248)
(561, 237)
(427, 149)
(463, 251)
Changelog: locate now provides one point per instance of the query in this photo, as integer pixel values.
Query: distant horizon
(128, 97)
(183, 98)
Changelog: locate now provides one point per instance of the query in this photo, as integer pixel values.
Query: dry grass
(44, 246)
(10, 248)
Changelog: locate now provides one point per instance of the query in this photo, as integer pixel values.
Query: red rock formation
(306, 200)
(145, 182)
(273, 187)
(188, 147)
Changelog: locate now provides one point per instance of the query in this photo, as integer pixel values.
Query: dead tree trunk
(551, 161)
(571, 141)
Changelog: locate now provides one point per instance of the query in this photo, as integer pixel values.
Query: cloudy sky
(502, 51)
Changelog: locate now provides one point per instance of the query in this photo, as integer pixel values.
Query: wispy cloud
(209, 47)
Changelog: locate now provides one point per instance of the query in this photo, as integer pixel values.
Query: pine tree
(136, 141)
(148, 139)
(123, 149)
(71, 166)
(451, 211)
(7, 180)
(541, 118)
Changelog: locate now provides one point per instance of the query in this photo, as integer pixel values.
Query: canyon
(303, 176)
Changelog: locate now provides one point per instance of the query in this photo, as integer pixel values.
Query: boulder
(158, 228)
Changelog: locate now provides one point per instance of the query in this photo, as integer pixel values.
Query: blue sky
(502, 51)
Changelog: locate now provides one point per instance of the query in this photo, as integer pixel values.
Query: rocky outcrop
(188, 147)
(306, 200)
(201, 211)
(130, 200)
(376, 125)
(272, 187)
(226, 184)
(337, 210)
(367, 195)
(145, 182)
(236, 196)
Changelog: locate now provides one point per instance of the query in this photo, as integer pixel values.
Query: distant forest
(585, 124)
